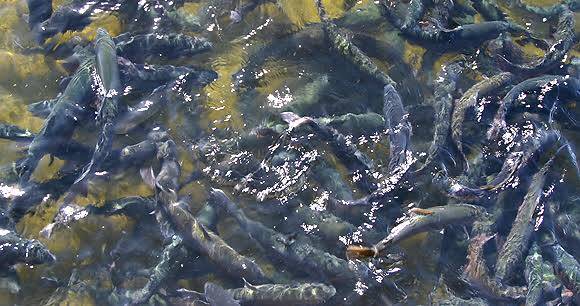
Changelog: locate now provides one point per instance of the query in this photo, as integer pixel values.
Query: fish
(477, 274)
(564, 37)
(41, 109)
(194, 233)
(396, 121)
(13, 132)
(342, 44)
(565, 267)
(568, 233)
(17, 249)
(512, 254)
(109, 84)
(176, 90)
(543, 285)
(140, 47)
(218, 296)
(355, 124)
(564, 86)
(294, 253)
(135, 207)
(444, 86)
(65, 18)
(72, 107)
(38, 12)
(286, 294)
(469, 100)
(489, 10)
(35, 193)
(458, 38)
(175, 260)
(358, 163)
(440, 217)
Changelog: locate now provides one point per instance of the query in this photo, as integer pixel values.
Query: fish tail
(360, 252)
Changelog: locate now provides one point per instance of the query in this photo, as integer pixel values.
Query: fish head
(37, 253)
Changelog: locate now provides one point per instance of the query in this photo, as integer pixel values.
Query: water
(280, 53)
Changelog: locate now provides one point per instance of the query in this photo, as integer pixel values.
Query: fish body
(16, 249)
(71, 107)
(174, 91)
(445, 86)
(543, 285)
(344, 46)
(139, 47)
(564, 37)
(38, 11)
(563, 85)
(512, 254)
(194, 233)
(42, 109)
(295, 253)
(469, 100)
(440, 217)
(12, 132)
(396, 121)
(284, 294)
(109, 84)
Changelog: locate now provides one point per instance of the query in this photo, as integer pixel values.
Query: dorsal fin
(248, 285)
(421, 211)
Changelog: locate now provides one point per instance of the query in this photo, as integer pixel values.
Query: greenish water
(312, 80)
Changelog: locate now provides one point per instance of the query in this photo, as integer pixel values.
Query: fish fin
(204, 231)
(360, 252)
(218, 296)
(148, 176)
(421, 211)
(289, 117)
(248, 285)
(51, 160)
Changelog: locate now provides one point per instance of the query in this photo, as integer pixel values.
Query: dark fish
(139, 78)
(175, 260)
(109, 87)
(568, 232)
(65, 18)
(284, 294)
(565, 267)
(396, 121)
(444, 86)
(218, 296)
(461, 37)
(177, 90)
(543, 286)
(355, 124)
(133, 207)
(342, 44)
(469, 100)
(294, 253)
(12, 132)
(565, 39)
(441, 216)
(72, 106)
(195, 234)
(358, 163)
(477, 274)
(42, 109)
(38, 11)
(139, 47)
(513, 252)
(35, 193)
(489, 9)
(545, 85)
(16, 249)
